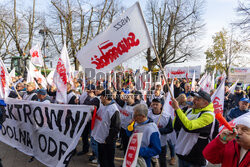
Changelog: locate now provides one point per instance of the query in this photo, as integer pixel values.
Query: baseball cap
(202, 94)
(106, 92)
(245, 100)
(42, 92)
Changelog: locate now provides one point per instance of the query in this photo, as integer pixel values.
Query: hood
(209, 107)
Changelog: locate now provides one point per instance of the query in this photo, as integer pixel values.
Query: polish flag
(36, 56)
(62, 75)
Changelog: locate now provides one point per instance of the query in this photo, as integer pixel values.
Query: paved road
(13, 158)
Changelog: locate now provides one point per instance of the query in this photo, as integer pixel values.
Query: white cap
(243, 120)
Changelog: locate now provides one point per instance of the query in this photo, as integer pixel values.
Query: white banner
(218, 98)
(181, 72)
(49, 132)
(36, 55)
(130, 159)
(124, 38)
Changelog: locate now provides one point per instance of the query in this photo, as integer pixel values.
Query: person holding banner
(231, 148)
(42, 96)
(106, 128)
(164, 124)
(195, 128)
(151, 144)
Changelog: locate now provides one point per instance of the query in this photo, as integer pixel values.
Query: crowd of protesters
(120, 103)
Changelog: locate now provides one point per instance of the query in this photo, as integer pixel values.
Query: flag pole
(164, 75)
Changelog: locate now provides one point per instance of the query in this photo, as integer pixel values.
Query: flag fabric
(218, 98)
(193, 82)
(212, 82)
(30, 77)
(206, 84)
(232, 88)
(202, 78)
(36, 56)
(62, 75)
(50, 78)
(124, 38)
(4, 80)
(168, 102)
(38, 75)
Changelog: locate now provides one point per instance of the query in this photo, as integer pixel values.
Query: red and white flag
(38, 75)
(36, 55)
(167, 107)
(232, 88)
(193, 83)
(218, 98)
(4, 81)
(62, 75)
(130, 159)
(124, 38)
(206, 84)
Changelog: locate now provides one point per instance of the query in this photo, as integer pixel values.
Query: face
(41, 96)
(157, 92)
(103, 100)
(30, 88)
(243, 105)
(19, 87)
(138, 118)
(244, 136)
(130, 99)
(199, 103)
(187, 87)
(156, 107)
(68, 87)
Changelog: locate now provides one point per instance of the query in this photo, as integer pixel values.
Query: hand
(114, 95)
(227, 135)
(175, 103)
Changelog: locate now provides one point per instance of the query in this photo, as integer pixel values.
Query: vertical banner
(131, 156)
(218, 98)
(49, 132)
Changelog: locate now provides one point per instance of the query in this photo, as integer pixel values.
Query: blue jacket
(235, 112)
(154, 147)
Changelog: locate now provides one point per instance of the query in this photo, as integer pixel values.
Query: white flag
(202, 78)
(124, 38)
(167, 108)
(13, 73)
(50, 77)
(38, 75)
(218, 98)
(206, 84)
(62, 75)
(4, 81)
(193, 82)
(232, 88)
(36, 56)
(212, 82)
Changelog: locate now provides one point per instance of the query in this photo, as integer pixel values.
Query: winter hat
(243, 120)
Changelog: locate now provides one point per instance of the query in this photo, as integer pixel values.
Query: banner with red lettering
(183, 72)
(62, 76)
(36, 55)
(131, 156)
(218, 98)
(124, 38)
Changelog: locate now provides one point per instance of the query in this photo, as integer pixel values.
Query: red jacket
(226, 154)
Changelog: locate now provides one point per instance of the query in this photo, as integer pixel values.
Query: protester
(164, 124)
(238, 111)
(231, 148)
(187, 89)
(106, 128)
(42, 96)
(71, 96)
(228, 101)
(238, 94)
(31, 92)
(194, 129)
(125, 105)
(151, 144)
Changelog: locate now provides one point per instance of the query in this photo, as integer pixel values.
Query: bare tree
(174, 25)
